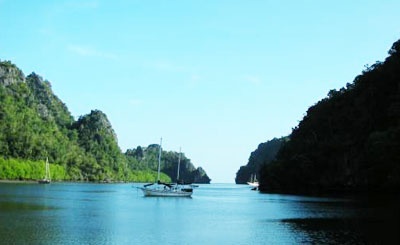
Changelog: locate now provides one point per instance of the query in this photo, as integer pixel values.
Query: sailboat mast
(179, 164)
(48, 167)
(159, 161)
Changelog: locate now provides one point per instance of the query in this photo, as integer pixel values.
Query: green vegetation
(35, 125)
(347, 142)
(15, 169)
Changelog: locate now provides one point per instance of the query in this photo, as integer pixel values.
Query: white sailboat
(159, 189)
(253, 181)
(47, 177)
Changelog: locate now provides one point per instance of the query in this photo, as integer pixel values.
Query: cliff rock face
(200, 176)
(264, 154)
(347, 142)
(10, 74)
(95, 125)
(97, 137)
(50, 107)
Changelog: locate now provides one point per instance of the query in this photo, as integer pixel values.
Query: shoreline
(6, 181)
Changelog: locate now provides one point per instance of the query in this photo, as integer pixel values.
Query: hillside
(35, 124)
(347, 142)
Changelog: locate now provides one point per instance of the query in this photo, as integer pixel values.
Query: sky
(215, 77)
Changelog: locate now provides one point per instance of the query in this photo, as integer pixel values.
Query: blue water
(78, 213)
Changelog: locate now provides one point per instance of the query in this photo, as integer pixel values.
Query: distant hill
(35, 124)
(264, 154)
(147, 157)
(347, 142)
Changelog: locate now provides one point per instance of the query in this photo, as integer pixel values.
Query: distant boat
(47, 177)
(253, 181)
(160, 189)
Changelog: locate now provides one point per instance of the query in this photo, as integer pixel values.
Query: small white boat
(253, 181)
(159, 189)
(47, 177)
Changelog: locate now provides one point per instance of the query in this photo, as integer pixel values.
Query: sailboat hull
(253, 184)
(44, 181)
(253, 181)
(150, 192)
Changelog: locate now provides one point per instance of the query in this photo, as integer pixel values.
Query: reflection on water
(346, 231)
(363, 220)
(8, 206)
(70, 213)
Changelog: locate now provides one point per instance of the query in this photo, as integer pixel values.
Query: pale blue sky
(214, 77)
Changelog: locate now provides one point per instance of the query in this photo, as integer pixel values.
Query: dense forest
(35, 124)
(348, 141)
(264, 154)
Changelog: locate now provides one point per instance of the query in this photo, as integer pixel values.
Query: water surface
(78, 213)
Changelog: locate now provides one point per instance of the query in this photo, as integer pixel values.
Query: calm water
(72, 213)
